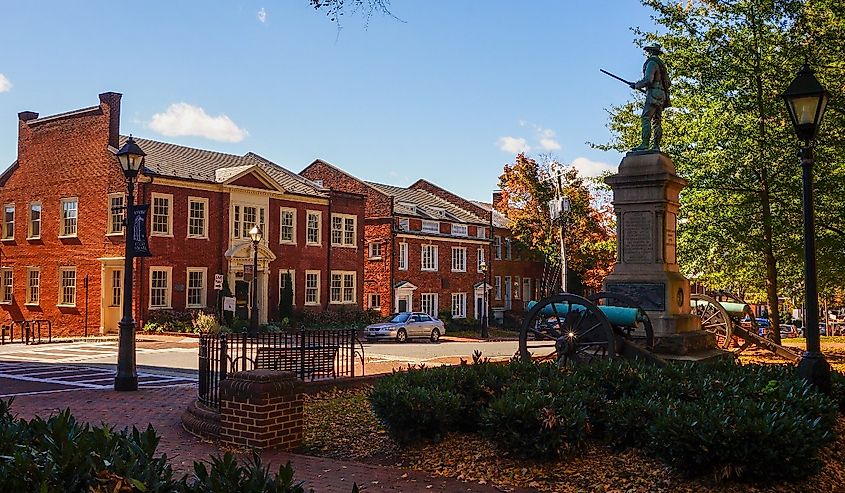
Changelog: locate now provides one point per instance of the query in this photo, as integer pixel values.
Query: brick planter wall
(261, 409)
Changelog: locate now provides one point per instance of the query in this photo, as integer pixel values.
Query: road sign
(218, 281)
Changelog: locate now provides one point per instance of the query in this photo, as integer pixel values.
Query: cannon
(571, 329)
(734, 325)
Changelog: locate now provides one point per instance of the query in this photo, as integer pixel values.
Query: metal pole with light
(256, 235)
(131, 159)
(485, 332)
(806, 101)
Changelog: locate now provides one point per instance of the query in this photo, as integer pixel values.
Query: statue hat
(653, 48)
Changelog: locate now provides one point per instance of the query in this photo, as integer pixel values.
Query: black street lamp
(485, 332)
(131, 159)
(256, 235)
(806, 100)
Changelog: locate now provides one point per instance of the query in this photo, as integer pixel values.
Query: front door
(403, 303)
(242, 300)
(112, 299)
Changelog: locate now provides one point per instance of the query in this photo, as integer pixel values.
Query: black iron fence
(311, 354)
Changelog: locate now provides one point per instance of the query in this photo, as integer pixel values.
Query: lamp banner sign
(140, 245)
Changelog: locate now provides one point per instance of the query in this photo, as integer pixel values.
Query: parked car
(763, 325)
(788, 331)
(406, 325)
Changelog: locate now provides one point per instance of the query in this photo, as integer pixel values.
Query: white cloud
(183, 119)
(5, 84)
(546, 137)
(513, 145)
(262, 15)
(590, 168)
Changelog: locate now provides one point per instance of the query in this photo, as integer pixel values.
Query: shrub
(169, 321)
(207, 323)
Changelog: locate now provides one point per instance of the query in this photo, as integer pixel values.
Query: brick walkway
(163, 408)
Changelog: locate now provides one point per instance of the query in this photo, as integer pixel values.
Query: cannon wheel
(714, 318)
(643, 333)
(570, 335)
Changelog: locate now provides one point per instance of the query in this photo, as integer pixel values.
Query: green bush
(169, 321)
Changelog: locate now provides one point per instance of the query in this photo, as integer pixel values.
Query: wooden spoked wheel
(641, 332)
(714, 318)
(567, 329)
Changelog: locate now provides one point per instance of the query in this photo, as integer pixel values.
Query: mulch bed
(341, 424)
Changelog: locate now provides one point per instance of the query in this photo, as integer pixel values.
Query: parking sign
(218, 281)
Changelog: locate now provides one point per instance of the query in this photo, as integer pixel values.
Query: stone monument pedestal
(645, 198)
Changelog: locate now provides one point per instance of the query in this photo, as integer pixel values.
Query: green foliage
(226, 475)
(206, 323)
(170, 321)
(746, 421)
(286, 299)
(327, 319)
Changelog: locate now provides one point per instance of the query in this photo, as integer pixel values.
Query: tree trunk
(771, 266)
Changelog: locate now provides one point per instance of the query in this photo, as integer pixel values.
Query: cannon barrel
(620, 316)
(733, 309)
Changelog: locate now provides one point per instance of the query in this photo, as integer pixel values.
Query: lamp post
(806, 100)
(485, 332)
(256, 235)
(131, 159)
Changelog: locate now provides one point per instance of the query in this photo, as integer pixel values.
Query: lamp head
(131, 158)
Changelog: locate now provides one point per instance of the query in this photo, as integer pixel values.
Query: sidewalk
(163, 407)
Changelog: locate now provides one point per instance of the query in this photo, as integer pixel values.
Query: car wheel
(435, 335)
(401, 335)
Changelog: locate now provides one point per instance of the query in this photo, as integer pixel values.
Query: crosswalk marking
(75, 352)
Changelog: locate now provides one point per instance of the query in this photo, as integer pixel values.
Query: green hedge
(746, 421)
(61, 455)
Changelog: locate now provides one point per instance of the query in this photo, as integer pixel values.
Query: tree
(729, 135)
(335, 9)
(590, 238)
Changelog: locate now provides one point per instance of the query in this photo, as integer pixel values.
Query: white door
(112, 299)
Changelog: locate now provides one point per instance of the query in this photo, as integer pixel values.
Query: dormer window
(459, 230)
(430, 227)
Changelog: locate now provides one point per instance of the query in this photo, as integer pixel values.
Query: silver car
(406, 325)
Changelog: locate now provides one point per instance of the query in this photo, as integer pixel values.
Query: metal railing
(311, 354)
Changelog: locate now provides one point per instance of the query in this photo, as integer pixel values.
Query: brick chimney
(112, 101)
(497, 200)
(26, 116)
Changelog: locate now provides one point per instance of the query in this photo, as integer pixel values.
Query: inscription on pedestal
(648, 295)
(638, 237)
(671, 228)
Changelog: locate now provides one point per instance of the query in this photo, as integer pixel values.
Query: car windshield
(398, 318)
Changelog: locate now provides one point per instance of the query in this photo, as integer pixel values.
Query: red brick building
(62, 243)
(424, 247)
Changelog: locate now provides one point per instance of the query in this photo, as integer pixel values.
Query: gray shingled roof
(499, 219)
(428, 205)
(164, 159)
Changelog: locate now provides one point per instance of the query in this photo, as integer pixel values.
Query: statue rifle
(627, 82)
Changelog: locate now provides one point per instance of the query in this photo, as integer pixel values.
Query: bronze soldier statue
(655, 83)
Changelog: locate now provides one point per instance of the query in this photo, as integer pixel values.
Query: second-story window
(34, 220)
(497, 248)
(343, 230)
(480, 259)
(116, 213)
(403, 256)
(429, 257)
(430, 227)
(244, 217)
(459, 259)
(162, 209)
(375, 250)
(481, 232)
(312, 231)
(508, 250)
(404, 224)
(287, 226)
(197, 217)
(459, 229)
(70, 210)
(8, 221)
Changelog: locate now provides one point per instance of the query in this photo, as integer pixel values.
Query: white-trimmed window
(117, 211)
(374, 250)
(342, 287)
(374, 302)
(508, 250)
(479, 259)
(459, 305)
(7, 287)
(8, 221)
(481, 232)
(526, 288)
(312, 287)
(459, 259)
(403, 256)
(33, 286)
(497, 248)
(160, 287)
(34, 230)
(343, 230)
(116, 287)
(70, 216)
(312, 230)
(283, 273)
(517, 283)
(287, 226)
(67, 286)
(162, 211)
(508, 292)
(459, 230)
(430, 227)
(404, 224)
(428, 303)
(498, 282)
(244, 217)
(197, 217)
(196, 288)
(429, 258)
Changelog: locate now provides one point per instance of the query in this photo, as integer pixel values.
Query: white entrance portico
(404, 297)
(240, 255)
(480, 306)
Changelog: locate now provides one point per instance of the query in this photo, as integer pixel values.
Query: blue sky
(449, 93)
